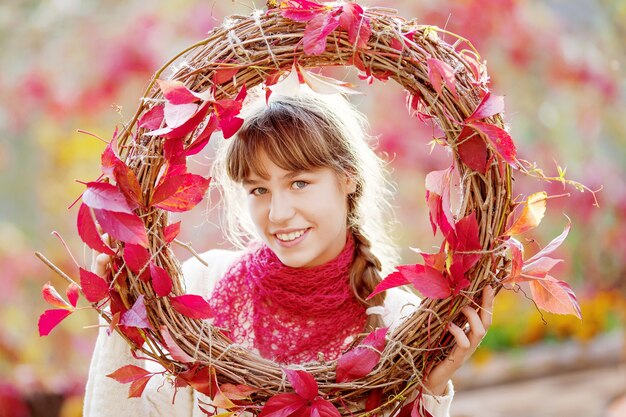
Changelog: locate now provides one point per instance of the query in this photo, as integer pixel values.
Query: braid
(364, 276)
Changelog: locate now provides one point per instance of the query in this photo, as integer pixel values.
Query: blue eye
(298, 185)
(258, 191)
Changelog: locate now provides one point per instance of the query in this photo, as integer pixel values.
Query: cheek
(256, 210)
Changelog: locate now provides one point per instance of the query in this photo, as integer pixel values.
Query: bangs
(292, 137)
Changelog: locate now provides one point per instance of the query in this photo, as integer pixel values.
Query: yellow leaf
(531, 216)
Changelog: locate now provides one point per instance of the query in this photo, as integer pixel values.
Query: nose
(281, 208)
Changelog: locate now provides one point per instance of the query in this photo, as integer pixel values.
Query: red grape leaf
(192, 306)
(224, 74)
(237, 392)
(176, 93)
(128, 228)
(128, 373)
(52, 297)
(554, 296)
(533, 212)
(283, 405)
(189, 125)
(488, 106)
(161, 281)
(394, 279)
(49, 319)
(361, 360)
(128, 183)
(441, 74)
(72, 294)
(187, 195)
(200, 378)
(374, 399)
(317, 30)
(136, 316)
(466, 235)
(540, 268)
(203, 138)
(428, 281)
(88, 232)
(171, 231)
(100, 195)
(137, 387)
(517, 251)
(323, 408)
(152, 119)
(472, 150)
(175, 351)
(301, 10)
(137, 258)
(303, 383)
(95, 289)
(551, 247)
(438, 199)
(499, 138)
(357, 25)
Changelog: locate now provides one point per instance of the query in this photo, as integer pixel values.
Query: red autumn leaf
(88, 232)
(317, 30)
(374, 399)
(175, 92)
(303, 383)
(517, 251)
(189, 126)
(137, 316)
(301, 10)
(472, 150)
(171, 231)
(192, 306)
(466, 235)
(128, 228)
(428, 281)
(488, 106)
(438, 199)
(161, 281)
(152, 119)
(222, 401)
(323, 408)
(174, 153)
(95, 289)
(52, 297)
(283, 405)
(361, 360)
(187, 195)
(115, 320)
(72, 294)
(201, 379)
(553, 245)
(175, 116)
(203, 138)
(138, 386)
(540, 268)
(49, 319)
(394, 279)
(237, 392)
(457, 277)
(532, 213)
(357, 25)
(441, 74)
(175, 351)
(128, 183)
(499, 138)
(108, 159)
(137, 258)
(435, 260)
(128, 373)
(100, 195)
(554, 296)
(224, 74)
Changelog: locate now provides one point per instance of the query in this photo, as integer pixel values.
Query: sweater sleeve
(105, 397)
(398, 305)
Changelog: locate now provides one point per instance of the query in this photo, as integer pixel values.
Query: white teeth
(290, 236)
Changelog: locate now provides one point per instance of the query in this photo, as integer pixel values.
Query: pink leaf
(100, 195)
(441, 74)
(555, 296)
(152, 119)
(323, 408)
(465, 237)
(88, 232)
(541, 267)
(128, 373)
(161, 281)
(517, 251)
(203, 138)
(357, 25)
(50, 319)
(361, 360)
(72, 294)
(303, 383)
(128, 228)
(301, 10)
(188, 194)
(137, 387)
(317, 30)
(175, 351)
(52, 297)
(171, 231)
(438, 199)
(192, 306)
(499, 138)
(224, 74)
(488, 106)
(136, 258)
(282, 405)
(176, 93)
(137, 316)
(128, 183)
(94, 287)
(472, 150)
(189, 125)
(551, 247)
(394, 279)
(428, 281)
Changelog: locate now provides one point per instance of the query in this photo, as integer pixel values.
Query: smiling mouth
(289, 237)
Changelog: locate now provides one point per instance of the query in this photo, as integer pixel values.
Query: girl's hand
(100, 261)
(466, 343)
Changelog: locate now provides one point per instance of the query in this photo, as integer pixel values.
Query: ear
(350, 184)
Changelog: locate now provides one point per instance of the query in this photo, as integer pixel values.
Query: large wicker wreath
(145, 176)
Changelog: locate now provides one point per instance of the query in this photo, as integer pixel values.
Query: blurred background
(84, 64)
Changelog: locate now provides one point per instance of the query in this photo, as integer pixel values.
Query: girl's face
(300, 215)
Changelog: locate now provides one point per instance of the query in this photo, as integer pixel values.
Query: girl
(305, 199)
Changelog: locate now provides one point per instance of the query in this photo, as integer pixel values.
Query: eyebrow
(289, 175)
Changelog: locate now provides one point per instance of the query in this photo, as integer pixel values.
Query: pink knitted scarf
(289, 314)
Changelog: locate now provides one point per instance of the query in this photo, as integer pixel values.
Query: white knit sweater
(105, 397)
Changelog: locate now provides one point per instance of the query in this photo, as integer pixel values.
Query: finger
(459, 336)
(486, 312)
(476, 329)
(101, 264)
